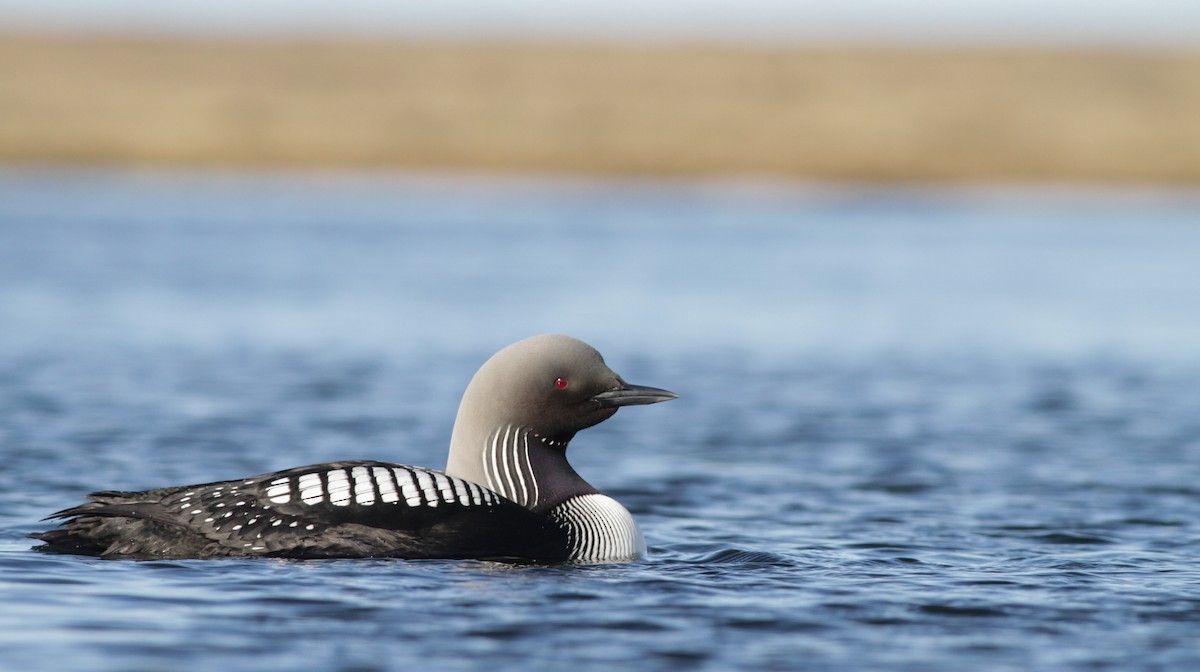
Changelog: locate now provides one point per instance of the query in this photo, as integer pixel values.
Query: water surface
(918, 430)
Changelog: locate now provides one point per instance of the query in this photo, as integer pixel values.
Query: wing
(331, 510)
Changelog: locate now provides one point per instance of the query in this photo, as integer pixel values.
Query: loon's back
(331, 510)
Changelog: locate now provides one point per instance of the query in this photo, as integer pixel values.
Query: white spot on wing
(339, 487)
(280, 493)
(313, 495)
(426, 484)
(338, 479)
(444, 486)
(364, 486)
(407, 487)
(387, 489)
(309, 480)
(460, 489)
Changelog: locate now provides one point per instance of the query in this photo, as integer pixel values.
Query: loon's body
(508, 492)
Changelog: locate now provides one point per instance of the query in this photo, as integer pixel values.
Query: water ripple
(958, 438)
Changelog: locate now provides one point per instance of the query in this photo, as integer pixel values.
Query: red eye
(560, 383)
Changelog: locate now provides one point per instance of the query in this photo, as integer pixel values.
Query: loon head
(523, 407)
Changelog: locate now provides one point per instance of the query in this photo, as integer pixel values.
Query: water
(919, 429)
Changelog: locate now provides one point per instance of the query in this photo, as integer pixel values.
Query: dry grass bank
(824, 112)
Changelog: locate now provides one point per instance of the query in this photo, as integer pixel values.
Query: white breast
(599, 529)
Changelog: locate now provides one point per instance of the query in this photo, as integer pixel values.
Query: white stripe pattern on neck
(507, 467)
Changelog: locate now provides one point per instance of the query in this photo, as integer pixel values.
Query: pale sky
(1044, 21)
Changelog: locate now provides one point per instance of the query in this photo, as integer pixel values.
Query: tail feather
(101, 504)
(113, 524)
(68, 541)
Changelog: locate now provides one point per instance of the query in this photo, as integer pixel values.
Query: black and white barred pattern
(267, 513)
(599, 529)
(368, 485)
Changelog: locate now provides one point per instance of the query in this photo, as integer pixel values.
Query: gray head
(522, 408)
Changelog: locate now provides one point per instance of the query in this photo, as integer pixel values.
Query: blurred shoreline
(828, 112)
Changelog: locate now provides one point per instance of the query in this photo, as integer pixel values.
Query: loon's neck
(520, 464)
(532, 470)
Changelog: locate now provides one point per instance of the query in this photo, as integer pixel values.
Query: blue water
(919, 429)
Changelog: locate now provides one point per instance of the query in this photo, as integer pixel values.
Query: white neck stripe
(505, 454)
